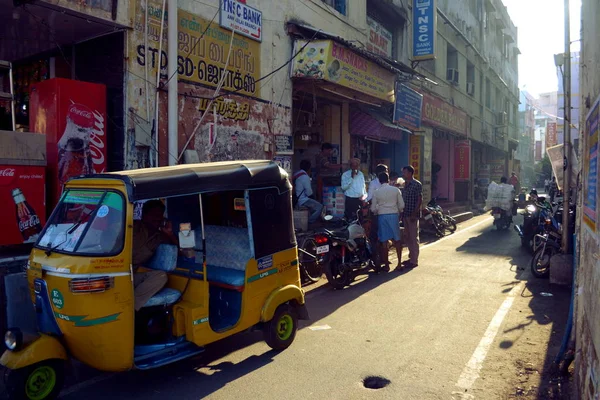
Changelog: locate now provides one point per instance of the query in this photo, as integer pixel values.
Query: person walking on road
(388, 204)
(552, 189)
(413, 198)
(515, 182)
(303, 188)
(353, 185)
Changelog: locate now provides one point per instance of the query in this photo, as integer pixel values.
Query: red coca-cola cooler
(22, 187)
(72, 115)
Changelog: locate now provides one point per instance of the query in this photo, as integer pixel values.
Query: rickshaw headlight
(13, 339)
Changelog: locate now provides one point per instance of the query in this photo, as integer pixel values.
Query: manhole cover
(375, 382)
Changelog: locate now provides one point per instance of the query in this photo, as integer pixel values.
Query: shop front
(344, 98)
(450, 149)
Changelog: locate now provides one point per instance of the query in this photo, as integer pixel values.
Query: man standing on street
(552, 189)
(515, 182)
(413, 197)
(303, 188)
(353, 185)
(388, 204)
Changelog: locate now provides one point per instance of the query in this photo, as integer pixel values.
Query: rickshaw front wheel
(280, 331)
(41, 381)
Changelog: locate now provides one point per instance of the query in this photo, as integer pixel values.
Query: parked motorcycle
(502, 218)
(312, 252)
(534, 219)
(434, 214)
(350, 254)
(549, 246)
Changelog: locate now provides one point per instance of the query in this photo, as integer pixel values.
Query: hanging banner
(551, 134)
(438, 113)
(424, 29)
(407, 111)
(462, 160)
(591, 169)
(415, 155)
(330, 61)
(556, 155)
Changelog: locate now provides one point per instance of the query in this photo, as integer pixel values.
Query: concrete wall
(587, 328)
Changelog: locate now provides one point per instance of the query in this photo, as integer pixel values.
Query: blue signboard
(407, 111)
(424, 29)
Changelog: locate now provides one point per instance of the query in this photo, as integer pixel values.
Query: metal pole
(172, 32)
(566, 234)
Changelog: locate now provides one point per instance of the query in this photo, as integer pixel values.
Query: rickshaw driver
(148, 234)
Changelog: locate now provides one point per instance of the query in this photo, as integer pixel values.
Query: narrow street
(469, 322)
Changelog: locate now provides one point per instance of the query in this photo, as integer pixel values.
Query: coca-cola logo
(29, 223)
(97, 142)
(81, 115)
(7, 176)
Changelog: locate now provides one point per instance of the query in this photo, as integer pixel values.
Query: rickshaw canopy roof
(180, 180)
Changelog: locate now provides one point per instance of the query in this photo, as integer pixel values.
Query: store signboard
(556, 155)
(245, 20)
(462, 160)
(380, 39)
(407, 111)
(590, 191)
(424, 29)
(415, 155)
(438, 113)
(551, 134)
(333, 62)
(284, 144)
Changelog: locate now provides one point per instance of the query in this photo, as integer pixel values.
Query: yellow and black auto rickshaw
(235, 268)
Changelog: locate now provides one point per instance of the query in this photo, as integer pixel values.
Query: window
(470, 79)
(86, 222)
(338, 5)
(452, 63)
(488, 93)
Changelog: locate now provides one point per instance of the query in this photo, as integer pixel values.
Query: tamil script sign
(437, 112)
(330, 61)
(407, 111)
(245, 20)
(424, 29)
(462, 160)
(380, 39)
(415, 154)
(591, 169)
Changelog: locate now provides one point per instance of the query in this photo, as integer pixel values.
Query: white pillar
(173, 116)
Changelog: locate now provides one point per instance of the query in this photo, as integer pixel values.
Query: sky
(540, 26)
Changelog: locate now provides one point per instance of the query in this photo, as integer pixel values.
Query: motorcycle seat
(339, 234)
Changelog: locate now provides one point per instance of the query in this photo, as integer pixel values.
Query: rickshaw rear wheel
(280, 331)
(41, 381)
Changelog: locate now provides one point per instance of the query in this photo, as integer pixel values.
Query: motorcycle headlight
(530, 208)
(13, 339)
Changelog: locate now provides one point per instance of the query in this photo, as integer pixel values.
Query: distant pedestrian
(552, 189)
(514, 180)
(546, 185)
(353, 185)
(388, 204)
(413, 198)
(304, 192)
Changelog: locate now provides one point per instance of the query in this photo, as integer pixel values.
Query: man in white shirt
(303, 190)
(353, 185)
(375, 184)
(388, 204)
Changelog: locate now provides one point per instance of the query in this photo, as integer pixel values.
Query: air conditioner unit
(502, 118)
(470, 88)
(452, 75)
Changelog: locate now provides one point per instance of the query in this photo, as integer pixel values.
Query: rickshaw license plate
(323, 249)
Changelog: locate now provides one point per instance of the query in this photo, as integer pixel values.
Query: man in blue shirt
(353, 185)
(303, 188)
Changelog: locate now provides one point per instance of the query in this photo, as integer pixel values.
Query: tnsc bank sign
(424, 29)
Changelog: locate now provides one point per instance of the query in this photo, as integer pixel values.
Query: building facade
(526, 131)
(587, 302)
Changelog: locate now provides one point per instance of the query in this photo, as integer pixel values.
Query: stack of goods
(333, 200)
(500, 195)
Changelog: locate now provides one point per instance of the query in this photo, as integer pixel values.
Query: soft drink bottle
(74, 156)
(27, 219)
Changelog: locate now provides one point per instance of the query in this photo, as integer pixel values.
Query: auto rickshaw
(236, 269)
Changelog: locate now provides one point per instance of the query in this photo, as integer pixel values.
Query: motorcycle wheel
(337, 274)
(311, 269)
(527, 243)
(540, 262)
(450, 224)
(439, 226)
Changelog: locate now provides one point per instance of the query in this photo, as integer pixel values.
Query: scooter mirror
(328, 217)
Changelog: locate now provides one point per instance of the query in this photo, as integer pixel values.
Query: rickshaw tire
(17, 380)
(278, 332)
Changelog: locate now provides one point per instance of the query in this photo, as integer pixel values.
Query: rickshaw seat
(165, 297)
(227, 276)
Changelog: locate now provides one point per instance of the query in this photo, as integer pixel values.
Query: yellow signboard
(333, 62)
(202, 60)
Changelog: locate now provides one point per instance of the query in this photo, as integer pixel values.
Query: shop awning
(373, 124)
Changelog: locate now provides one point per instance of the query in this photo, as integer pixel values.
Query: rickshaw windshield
(86, 222)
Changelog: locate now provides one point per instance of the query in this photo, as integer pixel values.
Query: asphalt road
(469, 322)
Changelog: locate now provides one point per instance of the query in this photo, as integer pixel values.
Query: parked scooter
(534, 219)
(350, 254)
(434, 214)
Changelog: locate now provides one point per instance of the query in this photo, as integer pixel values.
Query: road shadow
(548, 303)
